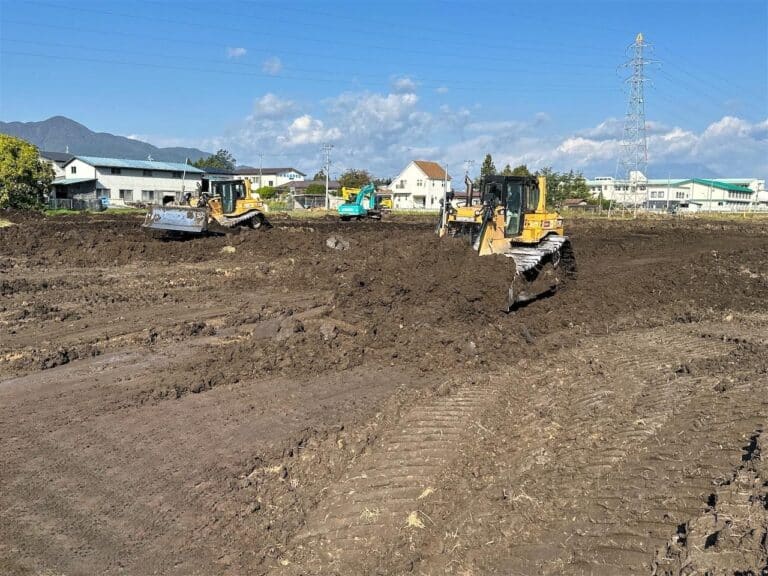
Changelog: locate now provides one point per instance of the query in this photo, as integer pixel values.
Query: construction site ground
(350, 398)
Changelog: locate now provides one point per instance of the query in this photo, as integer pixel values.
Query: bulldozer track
(385, 489)
(625, 484)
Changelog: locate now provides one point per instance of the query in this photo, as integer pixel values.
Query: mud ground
(264, 403)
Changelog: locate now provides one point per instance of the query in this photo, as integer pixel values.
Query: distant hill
(58, 133)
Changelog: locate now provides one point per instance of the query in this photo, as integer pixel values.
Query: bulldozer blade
(177, 219)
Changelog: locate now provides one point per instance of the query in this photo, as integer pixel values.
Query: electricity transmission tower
(633, 157)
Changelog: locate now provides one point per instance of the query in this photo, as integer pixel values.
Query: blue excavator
(365, 204)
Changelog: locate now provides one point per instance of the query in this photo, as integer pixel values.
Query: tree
(266, 192)
(319, 176)
(354, 178)
(488, 168)
(222, 160)
(315, 189)
(561, 186)
(507, 171)
(24, 178)
(521, 170)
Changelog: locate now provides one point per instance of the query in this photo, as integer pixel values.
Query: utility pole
(327, 149)
(261, 162)
(445, 194)
(327, 169)
(634, 144)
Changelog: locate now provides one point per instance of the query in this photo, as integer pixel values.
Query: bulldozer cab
(229, 192)
(517, 195)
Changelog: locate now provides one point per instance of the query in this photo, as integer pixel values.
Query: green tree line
(560, 185)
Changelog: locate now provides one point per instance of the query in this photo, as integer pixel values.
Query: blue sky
(385, 82)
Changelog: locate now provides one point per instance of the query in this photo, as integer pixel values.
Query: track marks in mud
(731, 535)
(625, 451)
(373, 509)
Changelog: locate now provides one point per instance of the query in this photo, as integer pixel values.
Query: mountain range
(61, 134)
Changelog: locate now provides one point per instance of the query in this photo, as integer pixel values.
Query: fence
(76, 204)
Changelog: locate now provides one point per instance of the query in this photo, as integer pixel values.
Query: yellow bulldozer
(511, 219)
(219, 206)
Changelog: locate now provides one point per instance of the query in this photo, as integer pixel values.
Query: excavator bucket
(177, 219)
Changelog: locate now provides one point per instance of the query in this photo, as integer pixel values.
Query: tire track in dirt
(379, 497)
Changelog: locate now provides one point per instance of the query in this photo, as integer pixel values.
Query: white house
(661, 194)
(125, 181)
(57, 160)
(421, 185)
(260, 177)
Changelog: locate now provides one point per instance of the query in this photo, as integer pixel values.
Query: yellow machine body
(512, 220)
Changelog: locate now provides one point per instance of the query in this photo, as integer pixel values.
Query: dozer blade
(177, 219)
(540, 270)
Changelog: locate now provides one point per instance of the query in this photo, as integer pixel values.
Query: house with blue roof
(122, 182)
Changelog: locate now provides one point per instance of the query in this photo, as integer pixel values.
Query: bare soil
(273, 402)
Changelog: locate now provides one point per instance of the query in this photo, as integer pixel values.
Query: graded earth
(350, 398)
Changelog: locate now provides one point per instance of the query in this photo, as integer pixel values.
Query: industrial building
(660, 195)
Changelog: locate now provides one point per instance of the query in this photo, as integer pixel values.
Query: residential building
(260, 177)
(57, 160)
(421, 185)
(123, 181)
(662, 194)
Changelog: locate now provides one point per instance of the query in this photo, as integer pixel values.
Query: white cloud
(236, 52)
(442, 89)
(308, 130)
(382, 131)
(403, 85)
(272, 66)
(271, 106)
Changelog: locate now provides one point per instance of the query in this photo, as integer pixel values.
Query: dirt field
(266, 404)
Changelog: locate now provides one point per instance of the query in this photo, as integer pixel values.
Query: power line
(242, 65)
(538, 88)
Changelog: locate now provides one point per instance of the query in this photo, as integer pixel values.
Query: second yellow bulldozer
(512, 219)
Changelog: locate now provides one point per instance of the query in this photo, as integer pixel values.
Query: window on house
(126, 195)
(175, 174)
(147, 195)
(73, 169)
(270, 183)
(102, 192)
(114, 170)
(419, 182)
(147, 172)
